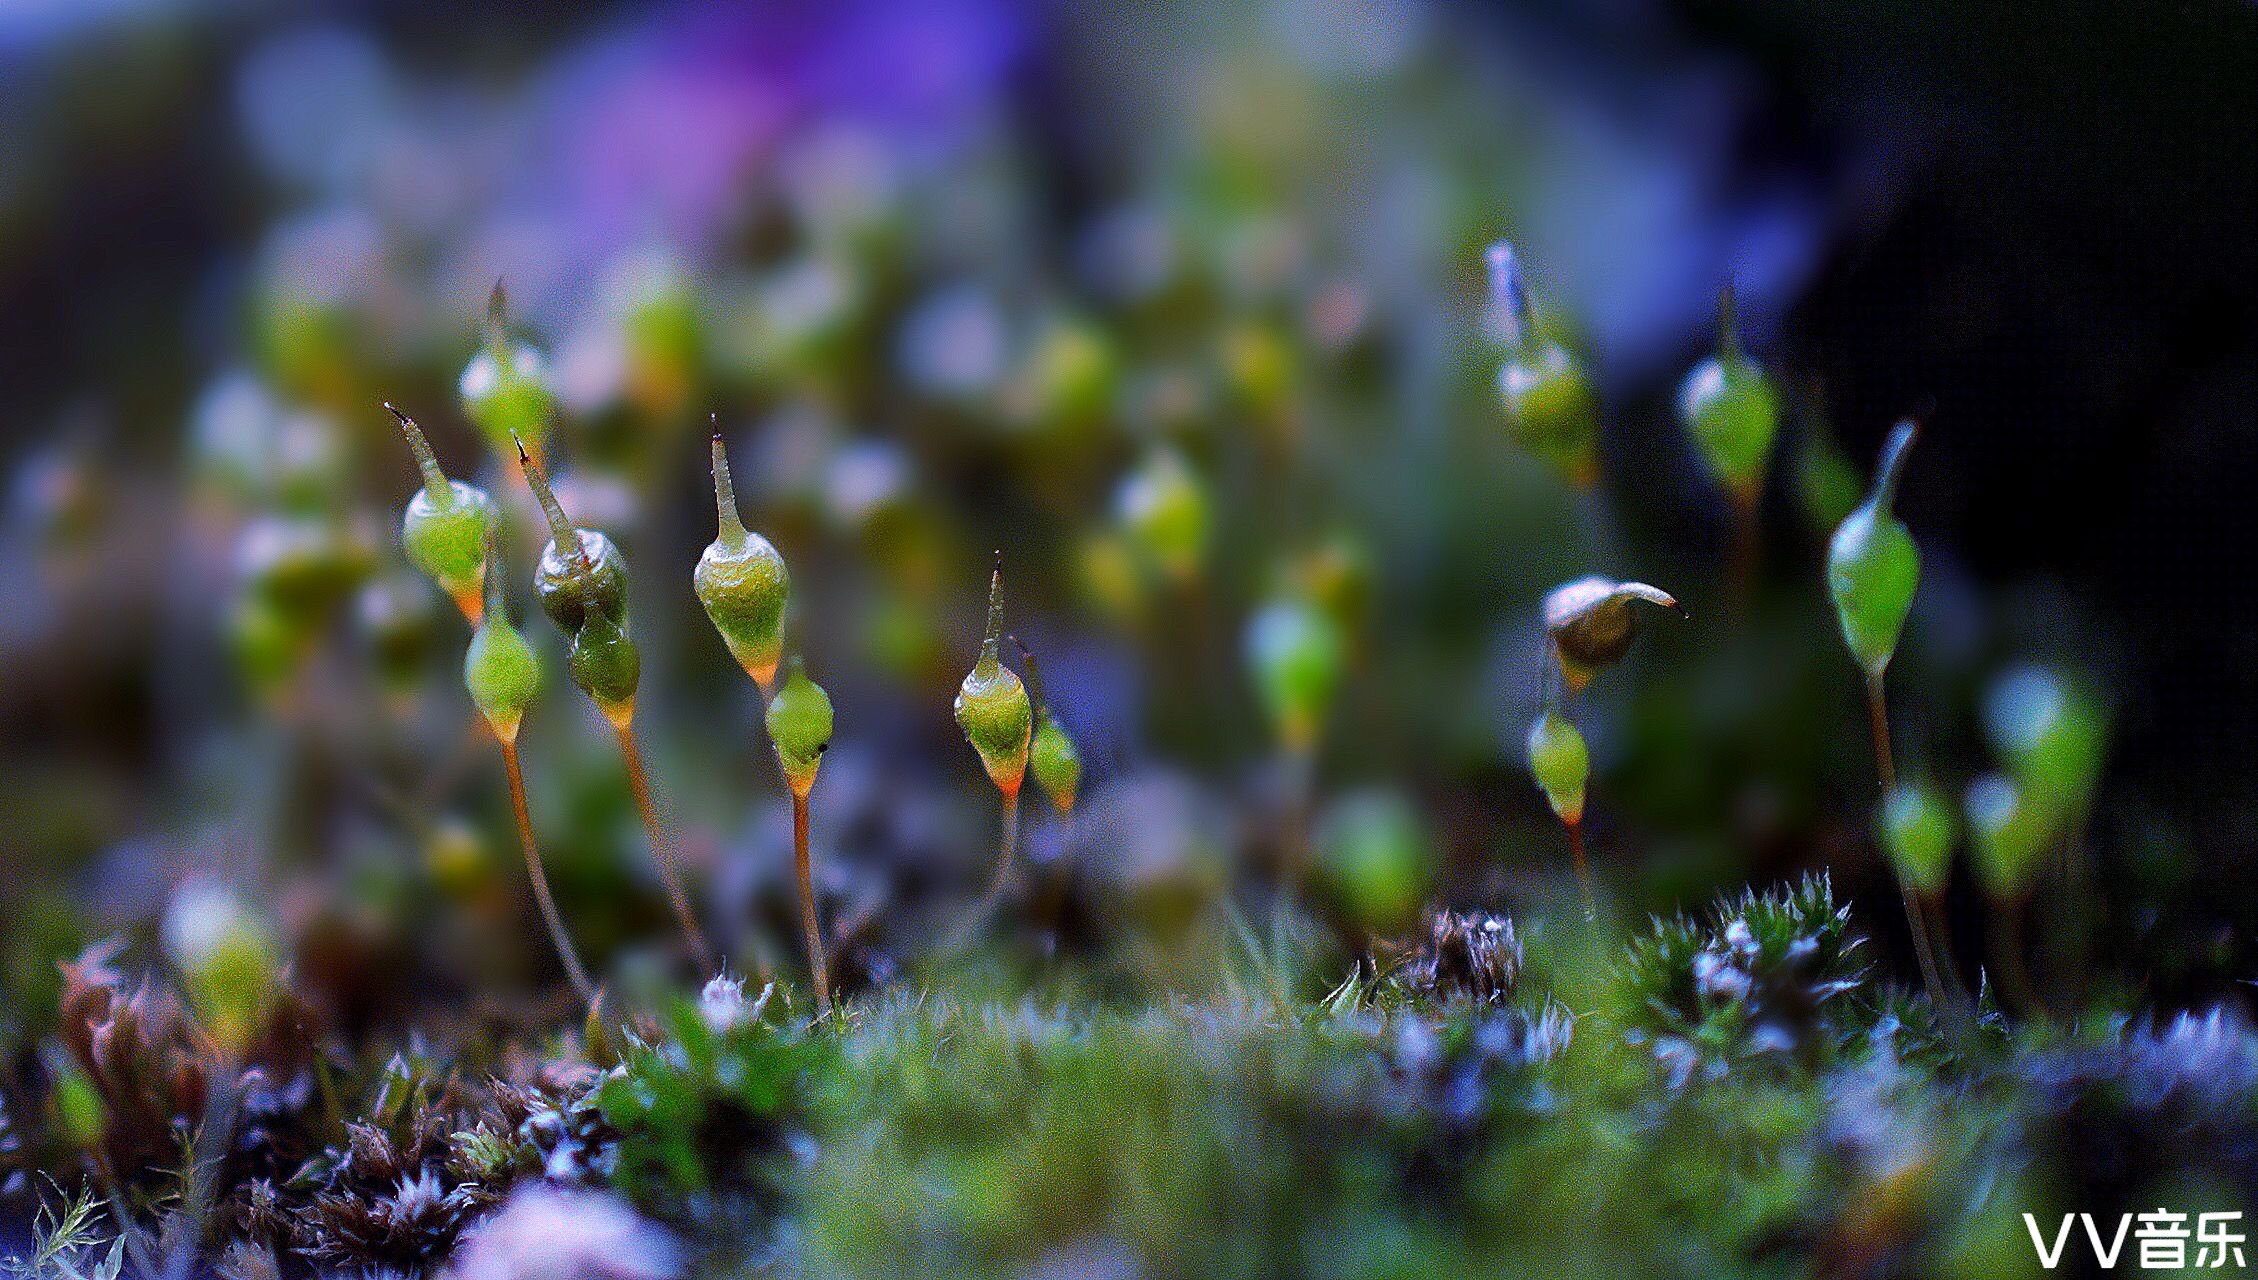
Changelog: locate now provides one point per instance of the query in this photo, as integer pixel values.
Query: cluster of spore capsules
(451, 531)
(2049, 733)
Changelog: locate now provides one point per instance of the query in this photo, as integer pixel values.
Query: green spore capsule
(742, 582)
(1873, 568)
(1375, 857)
(1052, 758)
(1296, 654)
(799, 724)
(1731, 409)
(591, 578)
(992, 706)
(2052, 734)
(1592, 622)
(499, 668)
(605, 664)
(1917, 829)
(504, 388)
(229, 962)
(445, 528)
(2007, 836)
(1548, 401)
(1560, 763)
(1164, 511)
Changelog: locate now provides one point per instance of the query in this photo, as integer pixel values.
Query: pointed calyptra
(1549, 404)
(504, 388)
(1731, 409)
(1592, 622)
(499, 667)
(799, 724)
(1873, 567)
(446, 527)
(1917, 828)
(1164, 511)
(1295, 653)
(580, 570)
(1560, 763)
(1052, 757)
(992, 706)
(742, 582)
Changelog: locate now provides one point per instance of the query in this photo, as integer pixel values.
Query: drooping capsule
(992, 706)
(1561, 764)
(1296, 653)
(499, 668)
(445, 529)
(1164, 512)
(742, 582)
(1873, 567)
(1052, 757)
(504, 388)
(1592, 622)
(1548, 401)
(1731, 409)
(1917, 829)
(799, 724)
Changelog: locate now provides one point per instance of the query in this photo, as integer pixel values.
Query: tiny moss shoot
(584, 591)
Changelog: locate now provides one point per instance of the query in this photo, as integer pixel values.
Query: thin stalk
(1878, 720)
(1950, 999)
(2007, 958)
(1740, 563)
(662, 848)
(1583, 870)
(1301, 785)
(817, 966)
(539, 875)
(1007, 845)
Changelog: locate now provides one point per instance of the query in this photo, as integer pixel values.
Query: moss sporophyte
(447, 526)
(504, 389)
(743, 584)
(1052, 757)
(1873, 569)
(799, 726)
(1592, 621)
(1732, 411)
(581, 582)
(1548, 401)
(993, 710)
(1561, 764)
(504, 677)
